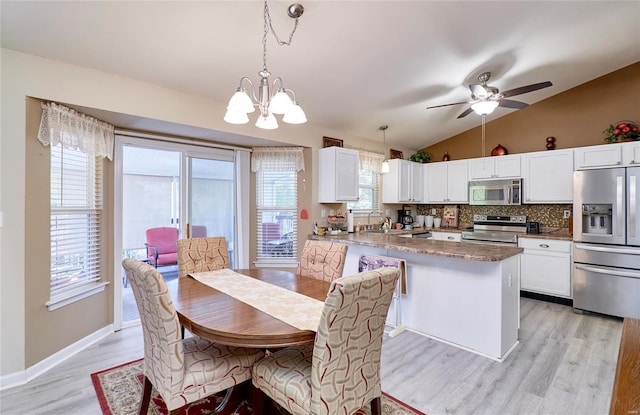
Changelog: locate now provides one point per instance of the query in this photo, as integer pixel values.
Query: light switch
(433, 211)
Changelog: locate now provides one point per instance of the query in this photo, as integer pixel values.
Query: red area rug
(119, 390)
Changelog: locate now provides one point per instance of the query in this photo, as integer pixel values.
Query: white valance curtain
(71, 129)
(277, 159)
(371, 161)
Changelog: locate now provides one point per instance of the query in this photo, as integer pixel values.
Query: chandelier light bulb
(280, 103)
(295, 115)
(484, 107)
(236, 117)
(385, 167)
(267, 123)
(240, 102)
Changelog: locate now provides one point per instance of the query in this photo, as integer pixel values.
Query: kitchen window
(368, 183)
(276, 171)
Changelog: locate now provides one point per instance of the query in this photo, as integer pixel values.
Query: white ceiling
(353, 65)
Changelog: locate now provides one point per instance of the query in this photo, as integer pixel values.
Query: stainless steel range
(496, 229)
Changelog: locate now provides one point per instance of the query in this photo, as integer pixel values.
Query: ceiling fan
(485, 98)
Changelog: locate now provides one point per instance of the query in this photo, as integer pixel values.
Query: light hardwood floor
(564, 364)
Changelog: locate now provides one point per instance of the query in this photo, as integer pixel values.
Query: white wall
(30, 76)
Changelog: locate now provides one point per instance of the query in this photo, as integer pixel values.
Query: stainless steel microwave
(495, 192)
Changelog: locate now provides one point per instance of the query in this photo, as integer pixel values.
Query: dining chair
(322, 260)
(202, 254)
(181, 370)
(340, 372)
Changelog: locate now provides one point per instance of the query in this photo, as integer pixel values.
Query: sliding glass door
(169, 191)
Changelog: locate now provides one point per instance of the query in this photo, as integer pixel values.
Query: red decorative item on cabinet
(499, 151)
(551, 143)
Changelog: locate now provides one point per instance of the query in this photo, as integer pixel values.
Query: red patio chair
(161, 246)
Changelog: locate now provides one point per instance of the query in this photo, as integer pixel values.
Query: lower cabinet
(545, 266)
(446, 236)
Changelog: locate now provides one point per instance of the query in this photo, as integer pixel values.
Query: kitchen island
(464, 294)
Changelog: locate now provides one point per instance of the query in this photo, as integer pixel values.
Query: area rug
(119, 390)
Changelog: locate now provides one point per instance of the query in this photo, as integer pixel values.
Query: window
(76, 215)
(277, 197)
(368, 191)
(276, 171)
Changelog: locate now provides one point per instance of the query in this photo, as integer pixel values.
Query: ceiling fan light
(241, 102)
(280, 103)
(236, 117)
(295, 115)
(267, 123)
(484, 107)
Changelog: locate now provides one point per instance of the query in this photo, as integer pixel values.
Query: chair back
(322, 260)
(202, 254)
(198, 231)
(163, 348)
(345, 372)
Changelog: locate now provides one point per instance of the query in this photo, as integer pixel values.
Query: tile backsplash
(548, 215)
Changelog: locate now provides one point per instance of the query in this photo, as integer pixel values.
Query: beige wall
(575, 118)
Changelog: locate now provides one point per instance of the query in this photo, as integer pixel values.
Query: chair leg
(262, 404)
(376, 406)
(146, 397)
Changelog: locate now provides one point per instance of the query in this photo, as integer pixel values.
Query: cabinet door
(404, 181)
(457, 183)
(597, 156)
(437, 182)
(548, 176)
(446, 236)
(347, 175)
(507, 166)
(483, 168)
(546, 273)
(631, 153)
(417, 182)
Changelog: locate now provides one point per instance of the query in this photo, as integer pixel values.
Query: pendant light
(279, 102)
(385, 163)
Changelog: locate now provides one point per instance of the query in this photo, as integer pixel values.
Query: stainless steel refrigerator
(606, 234)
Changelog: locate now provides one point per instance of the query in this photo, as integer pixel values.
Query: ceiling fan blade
(509, 103)
(525, 89)
(478, 90)
(466, 112)
(446, 105)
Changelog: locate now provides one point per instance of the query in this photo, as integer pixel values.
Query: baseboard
(548, 298)
(20, 378)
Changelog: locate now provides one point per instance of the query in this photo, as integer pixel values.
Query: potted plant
(420, 157)
(622, 131)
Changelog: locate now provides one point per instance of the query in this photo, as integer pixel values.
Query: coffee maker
(405, 218)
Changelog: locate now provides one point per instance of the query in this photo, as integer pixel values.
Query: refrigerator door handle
(633, 207)
(619, 205)
(607, 271)
(627, 250)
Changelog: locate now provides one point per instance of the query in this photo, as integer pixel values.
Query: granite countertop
(392, 240)
(561, 234)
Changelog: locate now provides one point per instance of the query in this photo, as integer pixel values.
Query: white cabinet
(597, 156)
(631, 153)
(548, 176)
(545, 266)
(447, 182)
(404, 182)
(446, 236)
(338, 175)
(494, 167)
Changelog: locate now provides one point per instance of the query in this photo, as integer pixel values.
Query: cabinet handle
(450, 238)
(544, 246)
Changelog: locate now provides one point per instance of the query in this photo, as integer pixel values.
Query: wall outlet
(567, 213)
(433, 211)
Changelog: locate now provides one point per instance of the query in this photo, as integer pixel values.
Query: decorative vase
(499, 151)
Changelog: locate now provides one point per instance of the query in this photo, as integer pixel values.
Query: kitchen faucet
(369, 217)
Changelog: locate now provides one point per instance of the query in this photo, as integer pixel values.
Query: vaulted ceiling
(353, 65)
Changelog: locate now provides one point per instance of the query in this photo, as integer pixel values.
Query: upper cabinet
(446, 182)
(495, 167)
(403, 183)
(548, 176)
(631, 153)
(597, 156)
(338, 175)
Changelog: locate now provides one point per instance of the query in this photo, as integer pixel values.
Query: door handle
(633, 207)
(607, 271)
(619, 207)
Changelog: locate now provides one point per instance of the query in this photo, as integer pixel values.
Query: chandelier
(280, 102)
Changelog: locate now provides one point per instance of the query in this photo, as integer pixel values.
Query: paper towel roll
(350, 222)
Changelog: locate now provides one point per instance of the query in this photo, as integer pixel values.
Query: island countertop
(392, 241)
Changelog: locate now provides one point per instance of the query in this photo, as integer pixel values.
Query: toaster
(533, 227)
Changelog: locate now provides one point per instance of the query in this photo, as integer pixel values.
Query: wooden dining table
(220, 318)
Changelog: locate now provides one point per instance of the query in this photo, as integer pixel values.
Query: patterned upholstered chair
(340, 372)
(182, 371)
(322, 260)
(202, 254)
